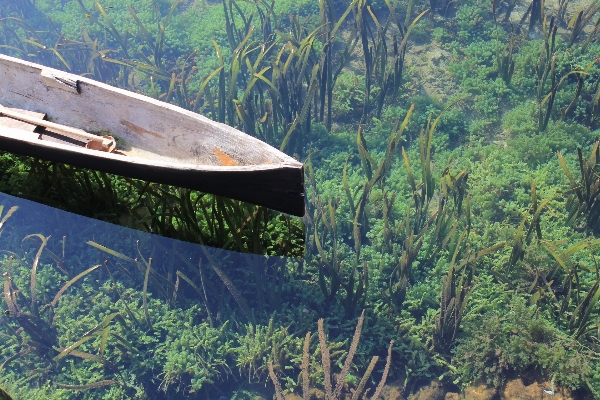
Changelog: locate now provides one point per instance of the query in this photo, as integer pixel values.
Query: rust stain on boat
(226, 161)
(139, 130)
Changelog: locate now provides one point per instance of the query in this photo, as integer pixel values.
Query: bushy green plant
(264, 345)
(516, 338)
(473, 21)
(194, 355)
(440, 34)
(348, 97)
(535, 147)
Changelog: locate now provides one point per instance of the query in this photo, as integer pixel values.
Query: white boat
(57, 116)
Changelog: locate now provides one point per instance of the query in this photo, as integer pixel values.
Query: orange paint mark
(224, 158)
(139, 130)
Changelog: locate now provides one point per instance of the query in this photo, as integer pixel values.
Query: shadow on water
(120, 296)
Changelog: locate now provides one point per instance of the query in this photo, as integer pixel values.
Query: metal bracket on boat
(61, 80)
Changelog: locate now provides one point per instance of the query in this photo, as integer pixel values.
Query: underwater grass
(446, 227)
(165, 210)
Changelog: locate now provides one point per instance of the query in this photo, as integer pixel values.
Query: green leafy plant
(393, 228)
(456, 292)
(40, 344)
(506, 64)
(517, 338)
(262, 347)
(579, 322)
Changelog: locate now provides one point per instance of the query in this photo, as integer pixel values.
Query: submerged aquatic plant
(383, 71)
(536, 14)
(583, 205)
(505, 62)
(546, 102)
(40, 345)
(579, 319)
(263, 347)
(455, 295)
(519, 337)
(336, 392)
(331, 268)
(580, 19)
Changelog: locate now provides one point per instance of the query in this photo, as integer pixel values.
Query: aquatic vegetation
(506, 6)
(379, 76)
(584, 203)
(198, 356)
(580, 20)
(505, 62)
(443, 7)
(115, 316)
(263, 346)
(471, 19)
(450, 222)
(518, 337)
(40, 346)
(339, 390)
(348, 96)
